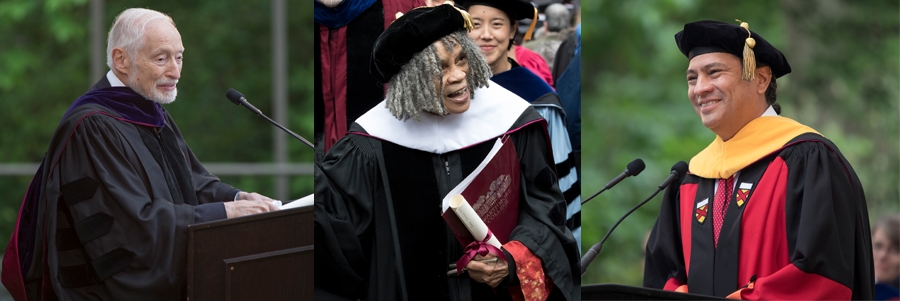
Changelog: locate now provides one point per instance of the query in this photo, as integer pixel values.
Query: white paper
(470, 219)
(468, 180)
(301, 202)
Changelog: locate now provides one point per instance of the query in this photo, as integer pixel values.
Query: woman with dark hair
(886, 255)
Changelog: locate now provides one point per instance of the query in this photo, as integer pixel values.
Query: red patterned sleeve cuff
(533, 283)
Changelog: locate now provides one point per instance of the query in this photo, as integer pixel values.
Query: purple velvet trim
(125, 102)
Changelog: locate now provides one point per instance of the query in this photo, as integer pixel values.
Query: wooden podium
(265, 256)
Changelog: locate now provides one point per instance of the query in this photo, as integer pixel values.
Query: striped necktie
(720, 205)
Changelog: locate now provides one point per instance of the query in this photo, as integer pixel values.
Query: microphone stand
(678, 170)
(594, 195)
(595, 249)
(238, 98)
(286, 130)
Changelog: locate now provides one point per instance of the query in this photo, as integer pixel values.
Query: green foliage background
(845, 83)
(44, 66)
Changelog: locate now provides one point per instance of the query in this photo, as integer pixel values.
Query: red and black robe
(796, 225)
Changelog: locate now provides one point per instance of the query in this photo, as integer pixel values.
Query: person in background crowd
(886, 253)
(495, 27)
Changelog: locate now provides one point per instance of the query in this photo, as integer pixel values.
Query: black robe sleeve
(346, 186)
(129, 237)
(664, 258)
(828, 236)
(542, 218)
(208, 187)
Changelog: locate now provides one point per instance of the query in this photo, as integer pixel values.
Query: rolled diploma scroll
(471, 220)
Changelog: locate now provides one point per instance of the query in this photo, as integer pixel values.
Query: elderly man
(770, 210)
(105, 215)
(379, 231)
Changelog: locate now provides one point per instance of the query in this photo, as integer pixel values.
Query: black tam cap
(412, 33)
(713, 36)
(515, 9)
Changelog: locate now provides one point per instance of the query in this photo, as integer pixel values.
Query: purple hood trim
(125, 102)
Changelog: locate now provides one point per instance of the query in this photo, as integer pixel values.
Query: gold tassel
(531, 27)
(467, 18)
(749, 56)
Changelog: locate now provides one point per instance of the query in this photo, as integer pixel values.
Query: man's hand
(242, 208)
(252, 196)
(490, 273)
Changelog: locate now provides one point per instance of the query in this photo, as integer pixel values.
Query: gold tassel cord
(531, 27)
(749, 56)
(467, 19)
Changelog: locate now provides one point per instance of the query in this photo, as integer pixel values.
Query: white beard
(331, 3)
(154, 95)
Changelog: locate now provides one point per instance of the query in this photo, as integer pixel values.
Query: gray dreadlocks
(412, 89)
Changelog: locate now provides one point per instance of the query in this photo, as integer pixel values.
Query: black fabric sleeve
(209, 212)
(143, 222)
(826, 220)
(346, 186)
(512, 279)
(664, 258)
(542, 218)
(207, 186)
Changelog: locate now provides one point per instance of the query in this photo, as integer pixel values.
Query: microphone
(678, 170)
(633, 169)
(239, 99)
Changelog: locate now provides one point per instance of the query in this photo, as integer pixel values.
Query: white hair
(557, 17)
(128, 30)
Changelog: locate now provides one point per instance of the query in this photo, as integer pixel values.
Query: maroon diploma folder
(493, 192)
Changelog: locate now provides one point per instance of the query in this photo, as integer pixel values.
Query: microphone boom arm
(239, 99)
(678, 170)
(595, 249)
(287, 130)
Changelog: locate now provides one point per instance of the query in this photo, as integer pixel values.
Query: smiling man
(105, 217)
(771, 210)
(379, 231)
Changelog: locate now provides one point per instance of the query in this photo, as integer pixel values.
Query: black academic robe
(796, 226)
(345, 89)
(541, 96)
(105, 216)
(378, 227)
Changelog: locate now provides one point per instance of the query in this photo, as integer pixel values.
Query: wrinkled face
(720, 97)
(155, 70)
(452, 86)
(886, 256)
(493, 32)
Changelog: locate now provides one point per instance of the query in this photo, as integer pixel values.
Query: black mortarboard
(515, 9)
(412, 33)
(713, 36)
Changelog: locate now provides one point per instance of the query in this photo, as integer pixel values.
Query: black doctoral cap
(515, 9)
(713, 36)
(412, 33)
